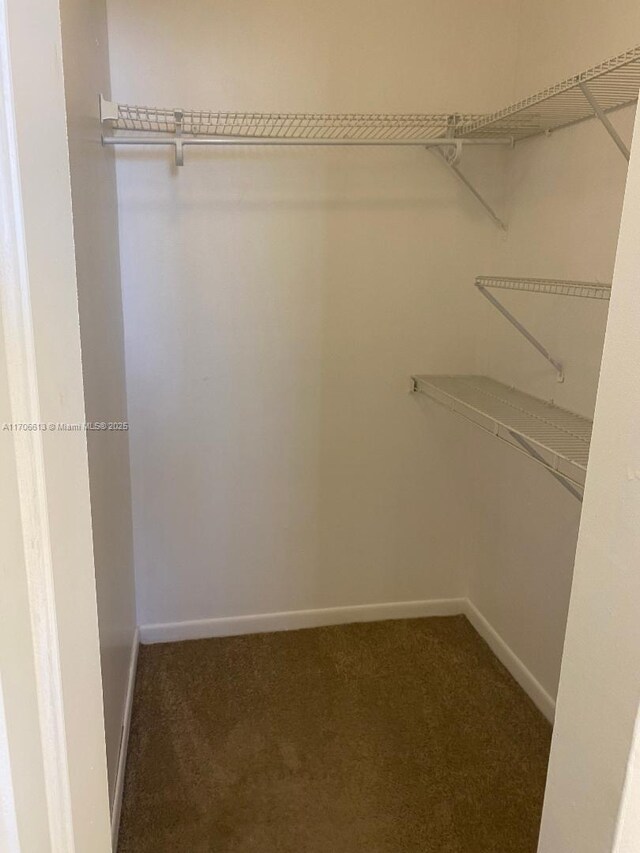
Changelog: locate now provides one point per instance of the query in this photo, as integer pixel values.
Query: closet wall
(93, 187)
(276, 302)
(565, 202)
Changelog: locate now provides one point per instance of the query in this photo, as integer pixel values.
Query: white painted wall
(593, 746)
(277, 301)
(93, 187)
(565, 201)
(558, 38)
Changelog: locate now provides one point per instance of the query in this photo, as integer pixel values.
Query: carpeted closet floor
(387, 737)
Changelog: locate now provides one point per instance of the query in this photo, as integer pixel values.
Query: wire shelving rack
(598, 91)
(552, 436)
(236, 127)
(549, 286)
(609, 86)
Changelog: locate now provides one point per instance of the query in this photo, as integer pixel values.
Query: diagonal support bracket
(530, 449)
(544, 352)
(452, 164)
(604, 118)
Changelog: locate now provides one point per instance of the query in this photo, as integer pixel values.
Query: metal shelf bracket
(451, 164)
(178, 116)
(530, 449)
(108, 110)
(544, 352)
(604, 119)
(451, 156)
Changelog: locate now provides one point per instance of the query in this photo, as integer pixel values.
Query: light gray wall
(93, 186)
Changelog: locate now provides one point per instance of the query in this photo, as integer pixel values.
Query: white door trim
(25, 408)
(38, 302)
(9, 840)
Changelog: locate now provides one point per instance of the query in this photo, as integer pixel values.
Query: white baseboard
(228, 626)
(116, 809)
(512, 662)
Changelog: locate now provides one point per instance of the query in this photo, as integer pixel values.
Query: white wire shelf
(552, 286)
(595, 92)
(552, 436)
(557, 287)
(329, 127)
(612, 84)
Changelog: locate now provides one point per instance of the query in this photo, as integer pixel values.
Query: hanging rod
(257, 140)
(557, 287)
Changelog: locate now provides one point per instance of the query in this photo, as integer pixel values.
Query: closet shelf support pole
(530, 449)
(178, 117)
(544, 352)
(604, 118)
(451, 164)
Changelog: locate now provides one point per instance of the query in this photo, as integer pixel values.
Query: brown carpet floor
(387, 737)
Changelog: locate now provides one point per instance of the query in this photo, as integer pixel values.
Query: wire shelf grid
(560, 439)
(321, 126)
(557, 287)
(614, 84)
(611, 85)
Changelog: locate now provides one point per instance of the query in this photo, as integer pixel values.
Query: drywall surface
(277, 301)
(560, 38)
(564, 205)
(599, 688)
(93, 186)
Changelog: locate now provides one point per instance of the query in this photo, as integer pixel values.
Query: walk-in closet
(344, 273)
